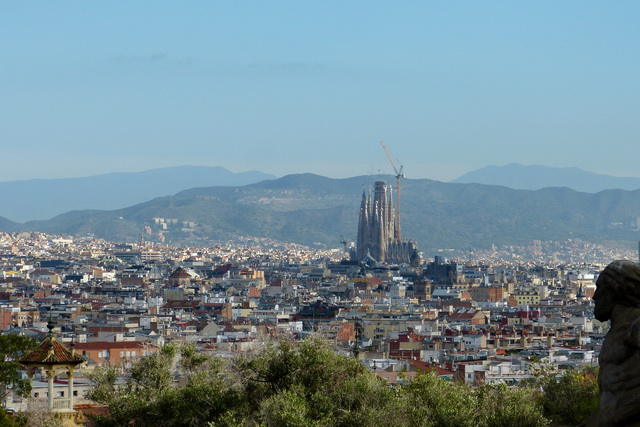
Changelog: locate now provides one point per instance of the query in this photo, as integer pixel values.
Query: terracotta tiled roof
(180, 273)
(51, 352)
(419, 365)
(461, 316)
(172, 303)
(111, 345)
(428, 367)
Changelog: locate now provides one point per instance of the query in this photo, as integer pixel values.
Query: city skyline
(285, 87)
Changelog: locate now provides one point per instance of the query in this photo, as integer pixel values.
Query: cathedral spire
(378, 232)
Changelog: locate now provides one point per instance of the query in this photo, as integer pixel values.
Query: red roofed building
(347, 332)
(424, 367)
(179, 277)
(468, 317)
(115, 353)
(406, 347)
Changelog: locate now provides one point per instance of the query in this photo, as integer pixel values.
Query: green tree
(6, 420)
(367, 400)
(309, 384)
(287, 408)
(437, 402)
(570, 397)
(311, 365)
(434, 401)
(12, 346)
(501, 406)
(176, 386)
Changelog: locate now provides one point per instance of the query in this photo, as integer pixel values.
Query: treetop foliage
(310, 384)
(12, 346)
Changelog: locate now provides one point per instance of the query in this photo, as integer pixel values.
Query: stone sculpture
(617, 298)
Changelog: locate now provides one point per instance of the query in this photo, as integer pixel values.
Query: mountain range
(317, 211)
(535, 177)
(40, 199)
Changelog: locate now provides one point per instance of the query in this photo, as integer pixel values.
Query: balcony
(61, 405)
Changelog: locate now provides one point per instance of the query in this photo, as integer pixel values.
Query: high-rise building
(377, 239)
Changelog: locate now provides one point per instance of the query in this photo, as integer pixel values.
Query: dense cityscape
(319, 214)
(487, 319)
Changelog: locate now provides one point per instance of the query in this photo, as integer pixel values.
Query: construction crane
(344, 242)
(399, 174)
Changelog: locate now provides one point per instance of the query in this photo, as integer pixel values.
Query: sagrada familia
(379, 231)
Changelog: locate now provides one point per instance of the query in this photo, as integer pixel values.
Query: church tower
(377, 232)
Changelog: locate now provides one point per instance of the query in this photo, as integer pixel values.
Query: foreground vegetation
(309, 384)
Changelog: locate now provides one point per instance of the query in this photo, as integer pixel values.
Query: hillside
(315, 210)
(536, 177)
(41, 199)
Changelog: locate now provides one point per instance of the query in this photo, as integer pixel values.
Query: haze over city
(288, 87)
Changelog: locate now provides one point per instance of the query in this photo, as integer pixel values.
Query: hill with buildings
(536, 177)
(40, 199)
(317, 211)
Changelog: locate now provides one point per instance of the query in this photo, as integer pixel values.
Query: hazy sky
(313, 86)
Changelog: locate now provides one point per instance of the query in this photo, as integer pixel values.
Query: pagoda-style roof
(51, 352)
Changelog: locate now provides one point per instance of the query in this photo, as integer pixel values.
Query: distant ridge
(8, 226)
(314, 210)
(41, 199)
(536, 177)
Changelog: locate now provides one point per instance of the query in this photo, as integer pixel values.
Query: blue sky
(294, 86)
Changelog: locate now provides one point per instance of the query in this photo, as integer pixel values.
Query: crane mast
(399, 174)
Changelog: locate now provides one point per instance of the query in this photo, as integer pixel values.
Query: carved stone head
(619, 283)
